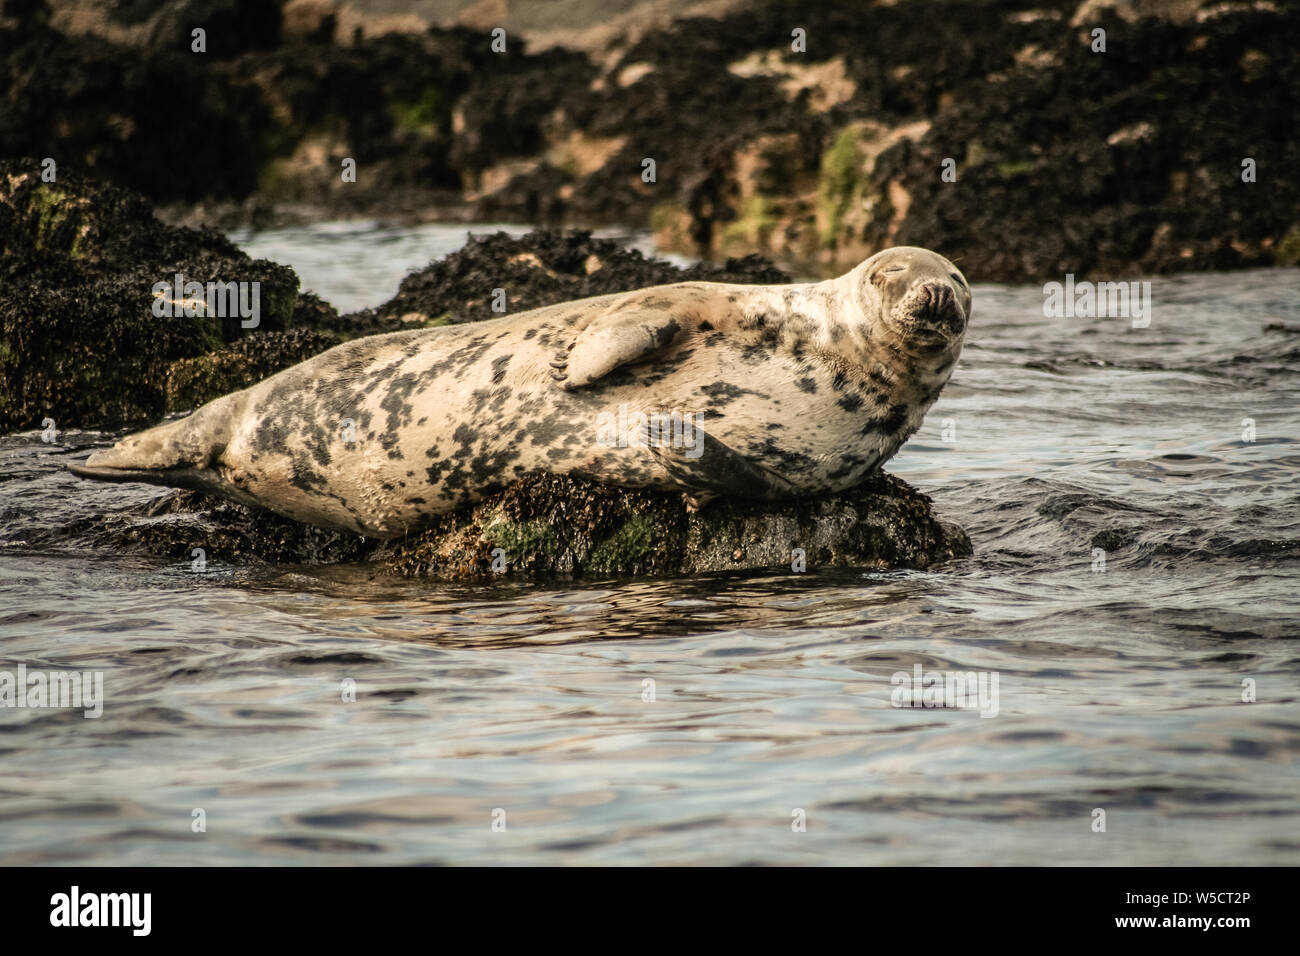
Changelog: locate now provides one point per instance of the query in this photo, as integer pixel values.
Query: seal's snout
(935, 314)
(934, 305)
(936, 299)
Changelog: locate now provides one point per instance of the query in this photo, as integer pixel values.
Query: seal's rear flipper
(179, 454)
(709, 468)
(194, 479)
(171, 477)
(117, 474)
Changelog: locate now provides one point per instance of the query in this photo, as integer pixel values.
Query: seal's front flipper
(709, 468)
(697, 501)
(611, 341)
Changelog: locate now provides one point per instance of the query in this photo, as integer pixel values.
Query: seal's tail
(179, 454)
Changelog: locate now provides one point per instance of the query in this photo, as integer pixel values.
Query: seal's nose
(938, 309)
(937, 298)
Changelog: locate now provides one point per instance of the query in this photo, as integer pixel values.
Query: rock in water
(547, 525)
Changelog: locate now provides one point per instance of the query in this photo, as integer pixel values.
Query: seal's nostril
(936, 304)
(935, 296)
(938, 295)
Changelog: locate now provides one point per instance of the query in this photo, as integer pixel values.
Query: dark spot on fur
(665, 334)
(897, 417)
(791, 461)
(724, 393)
(847, 465)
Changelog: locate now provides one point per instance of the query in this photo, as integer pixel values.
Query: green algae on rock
(594, 530)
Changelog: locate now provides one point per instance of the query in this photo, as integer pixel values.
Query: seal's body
(754, 391)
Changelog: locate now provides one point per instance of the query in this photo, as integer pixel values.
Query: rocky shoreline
(82, 346)
(814, 150)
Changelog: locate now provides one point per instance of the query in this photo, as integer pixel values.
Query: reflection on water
(685, 721)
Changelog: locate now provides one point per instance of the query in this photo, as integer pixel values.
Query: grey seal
(758, 392)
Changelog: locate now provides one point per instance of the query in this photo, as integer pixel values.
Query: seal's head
(921, 299)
